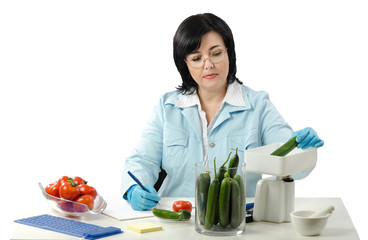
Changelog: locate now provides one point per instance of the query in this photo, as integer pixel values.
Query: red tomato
(178, 205)
(69, 191)
(85, 199)
(87, 190)
(53, 189)
(66, 206)
(62, 180)
(79, 180)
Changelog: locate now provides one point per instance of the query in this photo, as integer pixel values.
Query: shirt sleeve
(273, 126)
(145, 160)
(275, 129)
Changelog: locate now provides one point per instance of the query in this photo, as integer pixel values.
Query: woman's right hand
(141, 200)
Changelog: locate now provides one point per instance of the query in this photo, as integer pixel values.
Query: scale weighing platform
(274, 198)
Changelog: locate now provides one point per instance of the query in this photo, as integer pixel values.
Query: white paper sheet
(120, 209)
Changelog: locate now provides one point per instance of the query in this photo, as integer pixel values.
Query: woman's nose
(208, 64)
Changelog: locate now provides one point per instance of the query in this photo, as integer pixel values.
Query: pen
(139, 182)
(249, 212)
(249, 206)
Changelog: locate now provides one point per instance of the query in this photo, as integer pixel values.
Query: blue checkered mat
(70, 227)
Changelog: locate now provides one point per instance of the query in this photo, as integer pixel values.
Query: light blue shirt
(234, 96)
(172, 139)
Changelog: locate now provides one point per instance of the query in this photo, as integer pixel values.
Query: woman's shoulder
(253, 95)
(171, 97)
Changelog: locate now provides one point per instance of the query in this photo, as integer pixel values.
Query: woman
(211, 114)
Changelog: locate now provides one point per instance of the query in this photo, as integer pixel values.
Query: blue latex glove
(141, 200)
(307, 137)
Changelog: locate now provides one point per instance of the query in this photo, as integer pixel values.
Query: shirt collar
(188, 100)
(234, 96)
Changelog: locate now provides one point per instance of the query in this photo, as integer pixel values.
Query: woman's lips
(210, 76)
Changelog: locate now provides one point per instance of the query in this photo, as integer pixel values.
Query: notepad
(144, 227)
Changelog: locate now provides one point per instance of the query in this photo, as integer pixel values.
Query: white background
(79, 78)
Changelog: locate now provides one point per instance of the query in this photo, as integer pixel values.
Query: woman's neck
(211, 96)
(211, 102)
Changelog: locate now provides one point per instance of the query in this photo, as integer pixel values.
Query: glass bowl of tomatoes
(73, 200)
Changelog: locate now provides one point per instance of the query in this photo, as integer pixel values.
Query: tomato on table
(185, 205)
(85, 199)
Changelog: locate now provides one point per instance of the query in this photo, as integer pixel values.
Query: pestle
(323, 212)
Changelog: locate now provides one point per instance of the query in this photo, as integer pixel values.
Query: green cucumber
(235, 199)
(220, 176)
(286, 147)
(203, 183)
(240, 181)
(182, 215)
(233, 164)
(224, 202)
(222, 169)
(212, 199)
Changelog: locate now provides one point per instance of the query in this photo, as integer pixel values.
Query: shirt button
(212, 144)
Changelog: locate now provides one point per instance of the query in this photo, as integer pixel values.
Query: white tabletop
(339, 226)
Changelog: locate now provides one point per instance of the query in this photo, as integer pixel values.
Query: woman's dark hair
(188, 38)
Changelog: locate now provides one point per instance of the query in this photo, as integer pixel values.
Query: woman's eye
(216, 54)
(196, 59)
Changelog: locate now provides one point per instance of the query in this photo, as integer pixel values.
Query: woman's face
(209, 65)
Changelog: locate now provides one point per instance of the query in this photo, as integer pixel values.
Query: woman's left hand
(307, 137)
